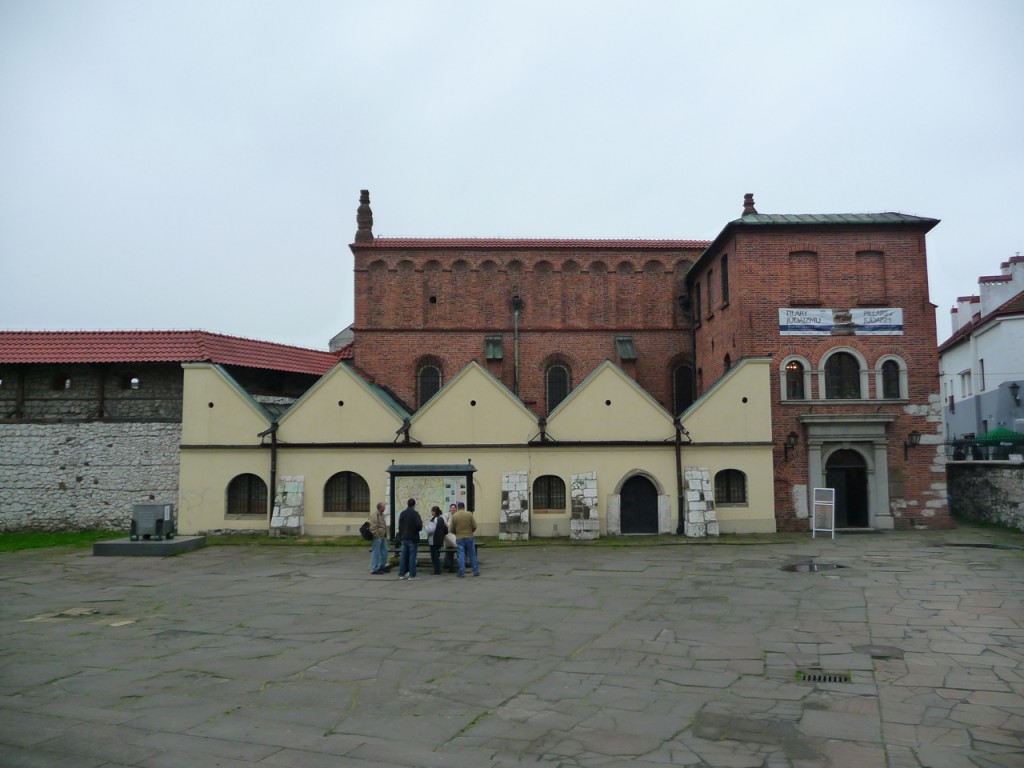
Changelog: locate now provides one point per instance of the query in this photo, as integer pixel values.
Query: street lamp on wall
(913, 440)
(791, 440)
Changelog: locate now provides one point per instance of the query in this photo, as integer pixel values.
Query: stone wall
(701, 519)
(87, 475)
(514, 522)
(584, 516)
(987, 491)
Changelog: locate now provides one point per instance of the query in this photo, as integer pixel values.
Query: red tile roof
(512, 243)
(162, 347)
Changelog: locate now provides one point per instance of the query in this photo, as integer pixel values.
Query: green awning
(1000, 436)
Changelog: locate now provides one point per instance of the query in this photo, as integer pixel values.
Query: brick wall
(839, 267)
(442, 303)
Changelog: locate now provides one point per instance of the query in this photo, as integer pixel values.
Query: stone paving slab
(565, 656)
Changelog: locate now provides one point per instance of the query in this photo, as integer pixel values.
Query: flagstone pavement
(909, 655)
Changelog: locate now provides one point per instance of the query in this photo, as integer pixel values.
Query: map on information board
(428, 492)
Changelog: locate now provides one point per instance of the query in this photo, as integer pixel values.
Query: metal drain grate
(820, 676)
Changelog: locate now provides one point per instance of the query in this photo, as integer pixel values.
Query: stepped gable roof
(1013, 307)
(530, 243)
(162, 347)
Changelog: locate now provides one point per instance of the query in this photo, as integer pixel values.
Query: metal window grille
(549, 492)
(842, 377)
(247, 495)
(346, 492)
(730, 487)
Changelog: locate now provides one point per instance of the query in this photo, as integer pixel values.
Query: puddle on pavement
(810, 567)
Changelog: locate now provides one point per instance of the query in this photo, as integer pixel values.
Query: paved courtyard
(911, 654)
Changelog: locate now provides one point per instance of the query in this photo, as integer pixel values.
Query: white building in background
(982, 363)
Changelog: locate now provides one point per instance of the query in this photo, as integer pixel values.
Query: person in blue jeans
(379, 531)
(409, 526)
(464, 526)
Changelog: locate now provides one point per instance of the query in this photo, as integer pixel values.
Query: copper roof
(162, 347)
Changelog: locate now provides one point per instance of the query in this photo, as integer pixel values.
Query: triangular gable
(609, 405)
(737, 408)
(474, 408)
(216, 410)
(342, 407)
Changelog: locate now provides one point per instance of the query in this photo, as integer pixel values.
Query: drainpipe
(272, 431)
(517, 305)
(680, 431)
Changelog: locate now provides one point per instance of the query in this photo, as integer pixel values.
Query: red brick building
(839, 302)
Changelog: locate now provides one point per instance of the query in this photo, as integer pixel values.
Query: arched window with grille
(247, 495)
(842, 377)
(730, 488)
(557, 384)
(549, 494)
(346, 492)
(428, 382)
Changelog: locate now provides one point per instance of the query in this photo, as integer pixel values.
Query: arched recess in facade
(622, 519)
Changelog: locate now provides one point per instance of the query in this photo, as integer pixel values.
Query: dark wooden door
(639, 506)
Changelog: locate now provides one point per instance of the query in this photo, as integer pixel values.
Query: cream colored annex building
(609, 460)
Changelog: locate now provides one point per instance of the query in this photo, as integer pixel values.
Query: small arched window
(548, 494)
(842, 377)
(795, 380)
(730, 488)
(347, 492)
(557, 383)
(428, 382)
(891, 380)
(247, 495)
(682, 388)
(728, 363)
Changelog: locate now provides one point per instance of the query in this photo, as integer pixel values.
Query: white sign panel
(879, 321)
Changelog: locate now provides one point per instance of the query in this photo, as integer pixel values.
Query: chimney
(364, 218)
(748, 204)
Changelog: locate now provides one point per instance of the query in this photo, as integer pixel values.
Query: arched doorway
(639, 506)
(846, 472)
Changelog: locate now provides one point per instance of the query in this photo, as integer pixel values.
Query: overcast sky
(197, 164)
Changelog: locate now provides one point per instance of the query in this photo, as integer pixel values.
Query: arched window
(891, 380)
(347, 492)
(728, 363)
(247, 495)
(794, 384)
(548, 494)
(428, 382)
(557, 383)
(682, 388)
(730, 488)
(842, 377)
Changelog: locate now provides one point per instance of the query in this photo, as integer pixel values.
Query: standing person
(437, 529)
(464, 526)
(379, 530)
(409, 526)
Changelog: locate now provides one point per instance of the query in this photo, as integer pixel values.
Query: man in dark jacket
(409, 526)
